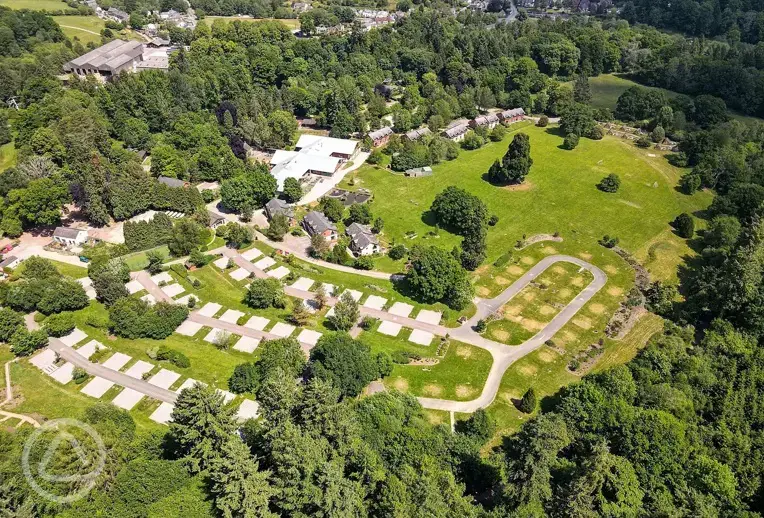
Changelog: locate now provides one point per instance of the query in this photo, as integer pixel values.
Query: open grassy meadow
(559, 194)
(35, 5)
(7, 156)
(85, 28)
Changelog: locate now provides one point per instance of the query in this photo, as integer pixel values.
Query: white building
(70, 236)
(313, 154)
(362, 240)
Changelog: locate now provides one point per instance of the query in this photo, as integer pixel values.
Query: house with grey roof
(107, 60)
(70, 236)
(172, 182)
(362, 240)
(513, 115)
(316, 223)
(215, 219)
(490, 121)
(275, 206)
(381, 136)
(416, 134)
(457, 132)
(9, 262)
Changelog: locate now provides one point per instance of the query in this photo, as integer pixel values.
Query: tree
(379, 224)
(319, 246)
(581, 91)
(238, 236)
(109, 286)
(245, 378)
(611, 183)
(639, 103)
(40, 203)
(359, 213)
(529, 402)
(282, 357)
(684, 225)
(346, 313)
(249, 190)
(155, 259)
(239, 487)
(397, 252)
(516, 163)
(10, 321)
(332, 208)
(292, 191)
(59, 324)
(24, 343)
(278, 227)
(186, 236)
(347, 363)
(201, 425)
(282, 126)
(300, 315)
(480, 426)
(63, 295)
(320, 296)
(436, 276)
(265, 293)
(577, 119)
(456, 208)
(571, 141)
(543, 121)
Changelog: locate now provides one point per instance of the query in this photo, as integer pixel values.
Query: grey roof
(8, 260)
(215, 217)
(108, 57)
(154, 62)
(172, 182)
(318, 222)
(482, 120)
(66, 232)
(416, 134)
(361, 235)
(380, 133)
(514, 112)
(276, 206)
(456, 130)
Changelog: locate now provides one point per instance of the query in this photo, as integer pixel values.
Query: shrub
(658, 134)
(529, 402)
(59, 324)
(611, 183)
(79, 375)
(209, 195)
(643, 142)
(245, 378)
(570, 142)
(367, 323)
(97, 320)
(684, 225)
(498, 133)
(400, 357)
(481, 325)
(397, 252)
(543, 121)
(363, 263)
(595, 133)
(191, 302)
(493, 220)
(609, 241)
(24, 343)
(375, 157)
(690, 183)
(224, 340)
(177, 358)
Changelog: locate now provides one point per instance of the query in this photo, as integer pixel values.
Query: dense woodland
(675, 432)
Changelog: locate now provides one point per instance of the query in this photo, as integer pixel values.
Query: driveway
(326, 184)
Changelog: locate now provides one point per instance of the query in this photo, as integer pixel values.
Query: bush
(58, 325)
(363, 263)
(595, 133)
(24, 343)
(570, 142)
(375, 157)
(543, 121)
(498, 133)
(658, 134)
(177, 358)
(245, 378)
(608, 241)
(493, 220)
(684, 225)
(397, 252)
(97, 320)
(690, 183)
(643, 142)
(400, 357)
(481, 325)
(265, 293)
(529, 402)
(224, 340)
(611, 183)
(209, 195)
(472, 141)
(367, 323)
(79, 375)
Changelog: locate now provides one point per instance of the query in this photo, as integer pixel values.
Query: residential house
(418, 171)
(490, 121)
(117, 15)
(416, 134)
(10, 262)
(381, 136)
(509, 116)
(276, 206)
(70, 236)
(215, 219)
(456, 133)
(172, 182)
(316, 223)
(362, 240)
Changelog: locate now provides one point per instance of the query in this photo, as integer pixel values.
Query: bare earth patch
(512, 310)
(526, 260)
(558, 269)
(482, 291)
(615, 291)
(463, 351)
(528, 370)
(463, 391)
(547, 355)
(569, 335)
(548, 250)
(432, 390)
(515, 270)
(565, 293)
(611, 269)
(586, 256)
(583, 322)
(547, 310)
(532, 325)
(529, 296)
(500, 334)
(577, 281)
(519, 187)
(597, 309)
(401, 384)
(501, 281)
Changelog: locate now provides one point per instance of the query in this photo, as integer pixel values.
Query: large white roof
(300, 164)
(325, 146)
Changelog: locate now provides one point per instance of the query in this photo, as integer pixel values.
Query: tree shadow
(555, 130)
(428, 218)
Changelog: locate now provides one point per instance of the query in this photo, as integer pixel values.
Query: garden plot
(375, 302)
(164, 378)
(247, 344)
(231, 316)
(127, 399)
(429, 317)
(248, 410)
(63, 374)
(45, 361)
(87, 284)
(251, 254)
(173, 290)
(97, 387)
(134, 287)
(138, 369)
(278, 273)
(282, 329)
(73, 338)
(389, 328)
(188, 328)
(303, 283)
(221, 263)
(401, 309)
(239, 274)
(265, 262)
(215, 334)
(161, 277)
(421, 337)
(116, 361)
(309, 337)
(210, 309)
(257, 323)
(90, 348)
(163, 413)
(184, 300)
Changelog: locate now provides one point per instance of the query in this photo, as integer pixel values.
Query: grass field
(35, 5)
(292, 23)
(7, 156)
(559, 194)
(139, 260)
(86, 28)
(69, 270)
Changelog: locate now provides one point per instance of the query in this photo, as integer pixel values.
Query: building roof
(172, 182)
(215, 217)
(325, 146)
(8, 260)
(154, 62)
(380, 133)
(108, 57)
(67, 233)
(416, 134)
(455, 131)
(276, 206)
(514, 112)
(482, 120)
(291, 164)
(318, 223)
(361, 235)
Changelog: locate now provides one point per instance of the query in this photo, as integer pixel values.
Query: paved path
(8, 397)
(96, 369)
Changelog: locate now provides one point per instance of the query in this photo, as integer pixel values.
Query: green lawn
(460, 375)
(81, 27)
(35, 5)
(7, 156)
(139, 260)
(292, 23)
(559, 194)
(69, 270)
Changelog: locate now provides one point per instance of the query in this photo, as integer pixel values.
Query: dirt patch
(615, 291)
(532, 325)
(500, 334)
(482, 270)
(515, 270)
(570, 336)
(546, 310)
(432, 390)
(548, 250)
(527, 260)
(610, 269)
(401, 384)
(463, 351)
(597, 309)
(583, 322)
(528, 369)
(577, 281)
(519, 187)
(463, 391)
(558, 270)
(512, 310)
(586, 256)
(435, 418)
(529, 296)
(482, 291)
(547, 355)
(565, 293)
(501, 281)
